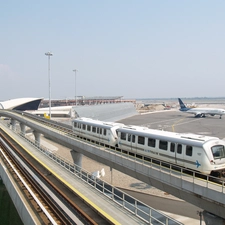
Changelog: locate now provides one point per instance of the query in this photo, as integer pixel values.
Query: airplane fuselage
(201, 112)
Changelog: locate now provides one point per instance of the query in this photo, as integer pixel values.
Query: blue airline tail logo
(182, 105)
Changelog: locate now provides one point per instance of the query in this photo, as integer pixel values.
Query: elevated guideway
(116, 206)
(202, 193)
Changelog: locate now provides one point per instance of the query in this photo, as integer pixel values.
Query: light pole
(49, 79)
(75, 86)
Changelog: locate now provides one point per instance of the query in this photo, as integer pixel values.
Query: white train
(99, 131)
(201, 153)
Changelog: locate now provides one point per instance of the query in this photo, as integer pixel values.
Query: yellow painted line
(176, 123)
(102, 212)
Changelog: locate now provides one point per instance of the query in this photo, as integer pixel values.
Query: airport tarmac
(180, 122)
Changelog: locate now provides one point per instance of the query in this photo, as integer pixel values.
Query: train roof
(90, 121)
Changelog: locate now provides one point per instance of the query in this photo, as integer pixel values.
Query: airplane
(201, 112)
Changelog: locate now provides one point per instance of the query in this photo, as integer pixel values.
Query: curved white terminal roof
(21, 104)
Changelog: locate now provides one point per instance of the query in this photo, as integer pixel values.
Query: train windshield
(218, 151)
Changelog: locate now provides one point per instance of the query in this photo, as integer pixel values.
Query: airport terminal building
(21, 104)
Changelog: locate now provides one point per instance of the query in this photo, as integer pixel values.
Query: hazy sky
(130, 48)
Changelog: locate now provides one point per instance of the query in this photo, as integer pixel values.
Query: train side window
(79, 125)
(88, 128)
(75, 124)
(128, 137)
(141, 140)
(100, 130)
(133, 138)
(163, 145)
(179, 148)
(189, 150)
(84, 126)
(172, 147)
(151, 142)
(94, 129)
(97, 130)
(123, 136)
(104, 132)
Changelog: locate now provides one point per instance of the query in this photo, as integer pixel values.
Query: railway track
(45, 198)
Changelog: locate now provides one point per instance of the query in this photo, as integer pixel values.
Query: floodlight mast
(49, 54)
(75, 70)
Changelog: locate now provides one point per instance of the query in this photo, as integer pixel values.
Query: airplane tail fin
(182, 105)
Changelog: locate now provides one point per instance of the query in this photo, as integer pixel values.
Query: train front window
(218, 151)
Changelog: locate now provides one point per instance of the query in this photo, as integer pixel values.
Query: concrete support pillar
(23, 128)
(77, 159)
(111, 171)
(13, 123)
(37, 136)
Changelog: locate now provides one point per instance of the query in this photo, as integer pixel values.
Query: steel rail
(59, 215)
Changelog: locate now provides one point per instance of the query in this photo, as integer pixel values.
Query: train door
(176, 151)
(131, 140)
(99, 133)
(179, 154)
(79, 126)
(173, 152)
